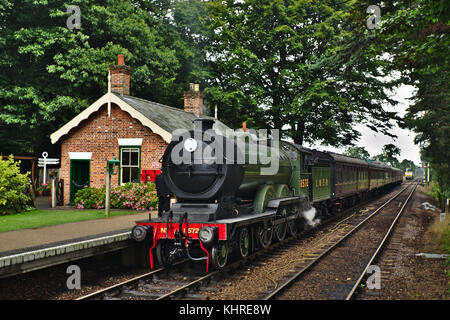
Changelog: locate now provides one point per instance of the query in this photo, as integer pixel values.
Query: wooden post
(53, 190)
(108, 193)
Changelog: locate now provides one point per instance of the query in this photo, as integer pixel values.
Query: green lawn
(42, 218)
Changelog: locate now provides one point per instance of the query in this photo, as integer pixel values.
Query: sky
(373, 142)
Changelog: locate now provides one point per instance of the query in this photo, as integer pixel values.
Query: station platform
(32, 249)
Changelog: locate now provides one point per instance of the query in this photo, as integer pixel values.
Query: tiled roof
(168, 118)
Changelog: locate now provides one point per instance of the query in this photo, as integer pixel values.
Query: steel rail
(184, 287)
(335, 244)
(126, 282)
(381, 245)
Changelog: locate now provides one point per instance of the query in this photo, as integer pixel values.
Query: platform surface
(18, 241)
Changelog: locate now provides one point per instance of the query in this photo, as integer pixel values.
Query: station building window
(130, 164)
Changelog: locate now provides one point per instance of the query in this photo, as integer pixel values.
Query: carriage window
(129, 165)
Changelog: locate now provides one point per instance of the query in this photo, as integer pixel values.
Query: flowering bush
(90, 198)
(129, 196)
(44, 187)
(134, 196)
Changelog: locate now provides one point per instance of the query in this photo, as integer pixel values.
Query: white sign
(43, 162)
(47, 161)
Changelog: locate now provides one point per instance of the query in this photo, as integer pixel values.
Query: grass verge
(43, 218)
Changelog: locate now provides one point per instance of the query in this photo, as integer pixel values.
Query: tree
(417, 33)
(405, 164)
(389, 155)
(357, 152)
(303, 67)
(49, 73)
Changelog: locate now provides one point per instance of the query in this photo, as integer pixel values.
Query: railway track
(337, 270)
(172, 284)
(137, 287)
(175, 282)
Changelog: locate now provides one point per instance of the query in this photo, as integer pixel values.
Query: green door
(79, 176)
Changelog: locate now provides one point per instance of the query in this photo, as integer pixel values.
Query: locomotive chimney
(120, 76)
(193, 100)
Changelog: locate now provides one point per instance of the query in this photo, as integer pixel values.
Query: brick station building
(134, 130)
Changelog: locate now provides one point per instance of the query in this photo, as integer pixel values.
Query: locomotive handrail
(198, 173)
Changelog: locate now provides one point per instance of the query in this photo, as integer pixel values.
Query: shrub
(134, 196)
(13, 187)
(129, 196)
(90, 198)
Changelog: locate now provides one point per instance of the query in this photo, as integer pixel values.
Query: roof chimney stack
(120, 76)
(193, 99)
(121, 60)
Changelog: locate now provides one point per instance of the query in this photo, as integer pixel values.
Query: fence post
(108, 194)
(53, 190)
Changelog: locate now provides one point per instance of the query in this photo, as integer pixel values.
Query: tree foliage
(305, 67)
(389, 155)
(49, 73)
(405, 164)
(357, 152)
(417, 33)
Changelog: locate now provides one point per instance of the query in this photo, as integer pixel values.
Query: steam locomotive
(227, 205)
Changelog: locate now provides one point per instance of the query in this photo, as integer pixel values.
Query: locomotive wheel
(293, 227)
(280, 229)
(219, 254)
(264, 236)
(282, 191)
(244, 242)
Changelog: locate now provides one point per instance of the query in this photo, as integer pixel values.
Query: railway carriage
(226, 209)
(351, 176)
